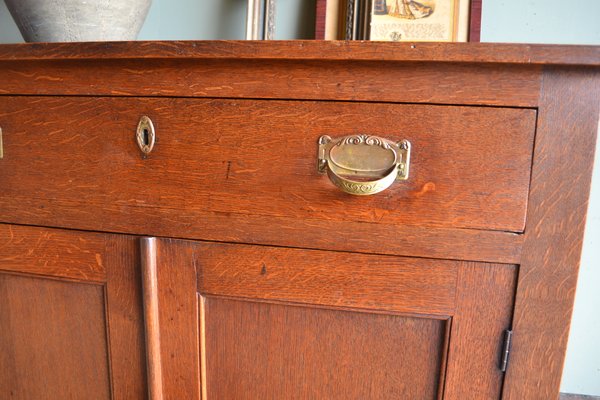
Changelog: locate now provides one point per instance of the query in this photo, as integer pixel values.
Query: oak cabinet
(224, 264)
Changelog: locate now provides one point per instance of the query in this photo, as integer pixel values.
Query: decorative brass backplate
(363, 164)
(145, 135)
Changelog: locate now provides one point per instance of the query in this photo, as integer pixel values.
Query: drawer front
(469, 167)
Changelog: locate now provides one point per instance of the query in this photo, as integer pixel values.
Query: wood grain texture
(478, 297)
(311, 50)
(52, 253)
(485, 299)
(258, 158)
(57, 162)
(65, 256)
(562, 167)
(178, 320)
(328, 279)
(416, 82)
(268, 351)
(53, 342)
(151, 317)
(125, 317)
(444, 243)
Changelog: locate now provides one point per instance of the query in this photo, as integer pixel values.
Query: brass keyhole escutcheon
(145, 135)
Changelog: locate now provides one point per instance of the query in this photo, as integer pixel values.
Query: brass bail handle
(363, 164)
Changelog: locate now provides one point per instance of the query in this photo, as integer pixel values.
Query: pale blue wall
(541, 21)
(222, 19)
(193, 19)
(8, 30)
(534, 21)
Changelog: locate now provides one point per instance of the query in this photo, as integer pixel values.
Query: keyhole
(144, 135)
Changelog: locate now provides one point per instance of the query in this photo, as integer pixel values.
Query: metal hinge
(506, 349)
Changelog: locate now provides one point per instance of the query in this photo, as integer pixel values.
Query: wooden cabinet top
(310, 50)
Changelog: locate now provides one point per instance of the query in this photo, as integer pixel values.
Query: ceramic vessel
(78, 20)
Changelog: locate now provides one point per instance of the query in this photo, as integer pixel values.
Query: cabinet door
(70, 315)
(280, 323)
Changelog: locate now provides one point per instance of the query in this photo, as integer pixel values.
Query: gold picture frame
(419, 20)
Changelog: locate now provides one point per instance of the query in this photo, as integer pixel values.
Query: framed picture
(399, 20)
(422, 20)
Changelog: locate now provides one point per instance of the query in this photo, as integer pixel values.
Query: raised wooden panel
(53, 340)
(93, 290)
(330, 279)
(269, 287)
(274, 351)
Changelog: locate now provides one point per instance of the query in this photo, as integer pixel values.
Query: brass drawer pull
(362, 164)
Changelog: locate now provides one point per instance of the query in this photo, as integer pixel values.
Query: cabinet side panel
(561, 174)
(53, 342)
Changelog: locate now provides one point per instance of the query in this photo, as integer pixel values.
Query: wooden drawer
(74, 161)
